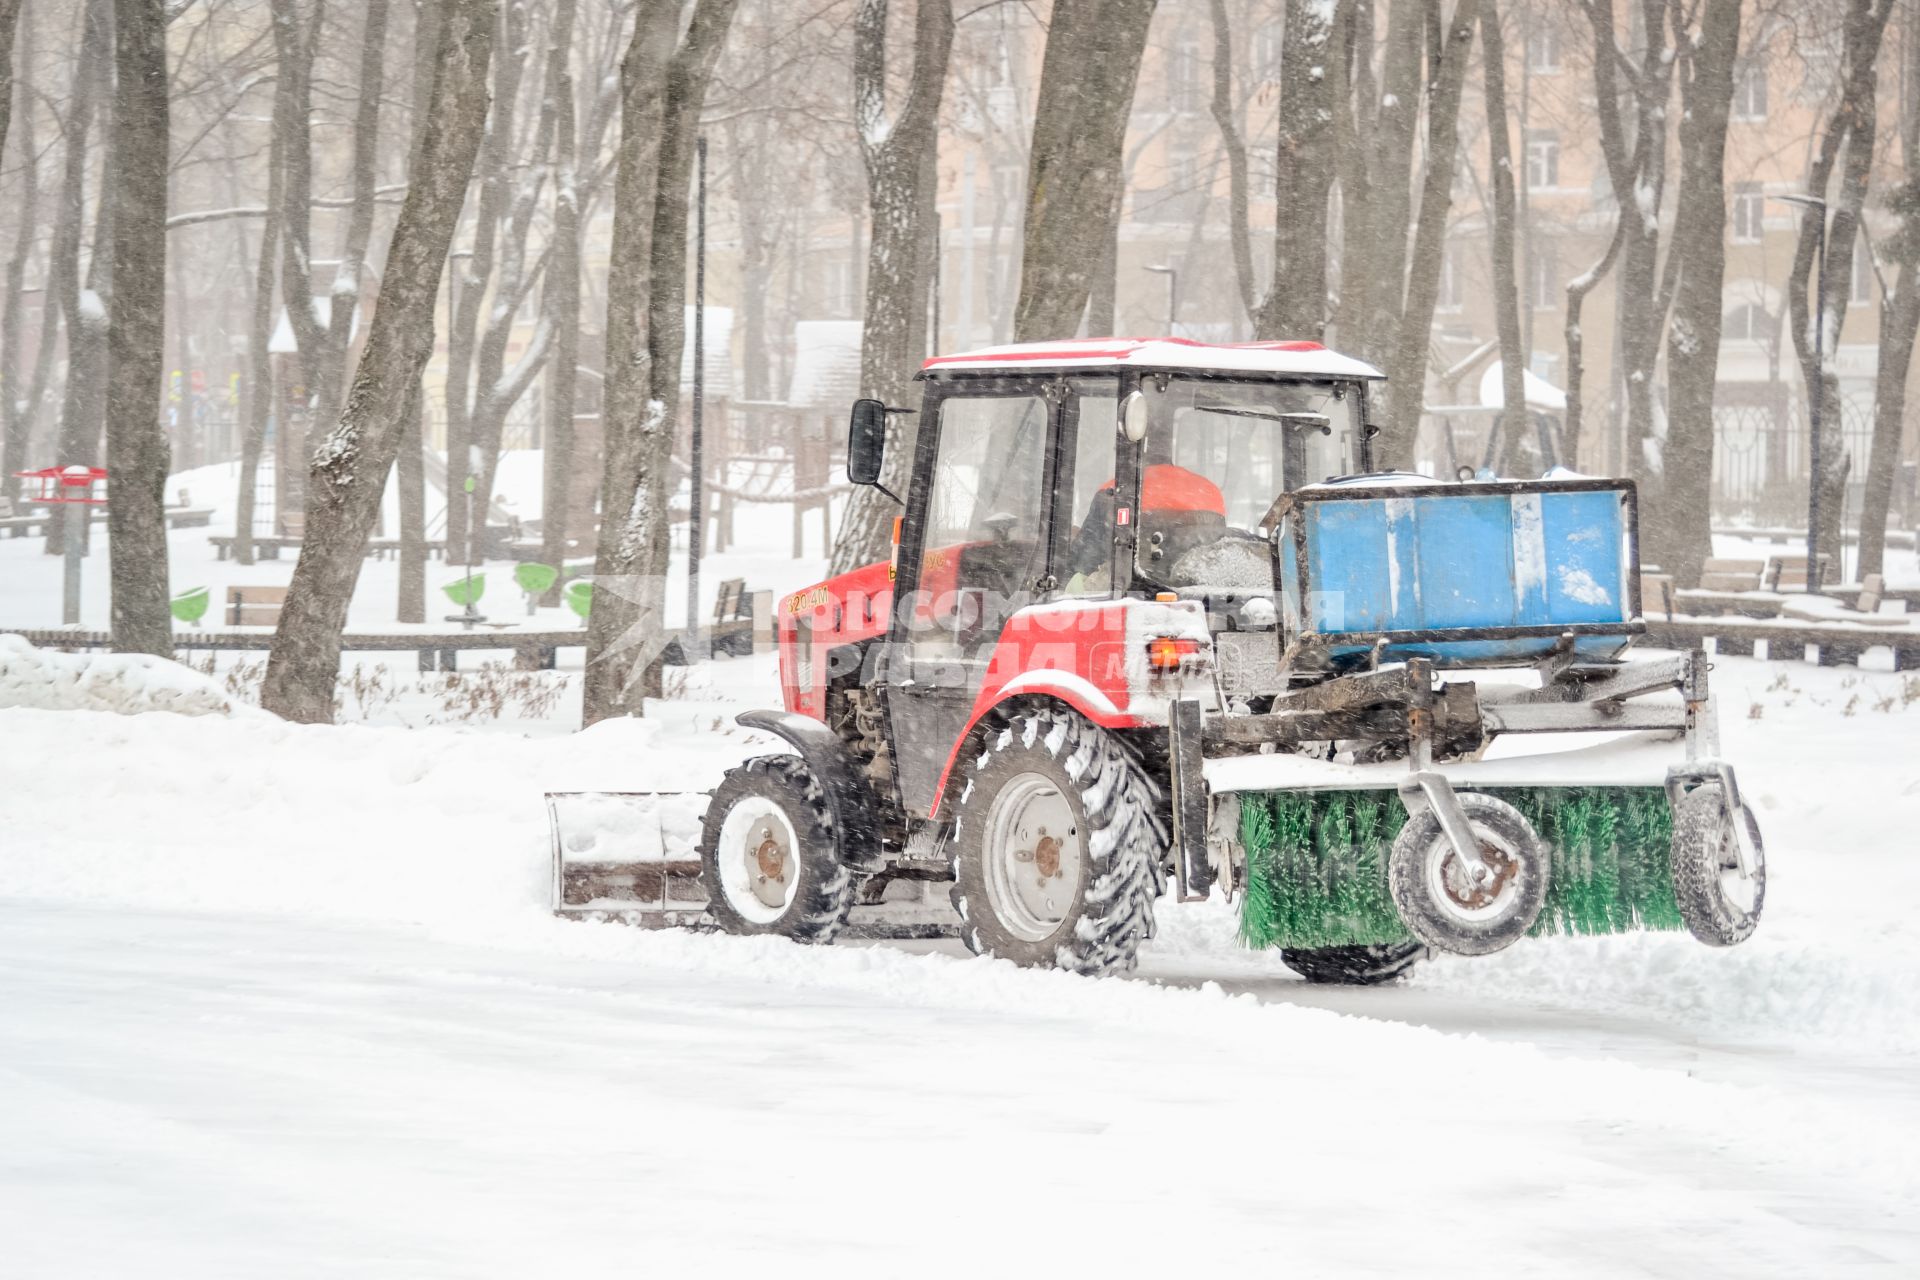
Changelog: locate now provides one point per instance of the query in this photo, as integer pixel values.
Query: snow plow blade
(633, 857)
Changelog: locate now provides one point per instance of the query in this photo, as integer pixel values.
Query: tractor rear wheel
(1356, 966)
(768, 857)
(1059, 846)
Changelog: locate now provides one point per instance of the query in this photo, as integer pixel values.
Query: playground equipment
(68, 486)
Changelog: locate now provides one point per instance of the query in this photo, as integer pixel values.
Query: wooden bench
(189, 517)
(1873, 590)
(1656, 593)
(1732, 575)
(255, 606)
(381, 548)
(1789, 573)
(265, 546)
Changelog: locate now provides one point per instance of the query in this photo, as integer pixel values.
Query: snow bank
(126, 683)
(437, 825)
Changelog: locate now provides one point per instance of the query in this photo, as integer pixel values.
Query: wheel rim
(1033, 856)
(1740, 891)
(1454, 890)
(758, 858)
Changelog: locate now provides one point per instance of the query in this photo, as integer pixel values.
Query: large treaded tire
(1123, 831)
(824, 887)
(1421, 847)
(1356, 966)
(1703, 851)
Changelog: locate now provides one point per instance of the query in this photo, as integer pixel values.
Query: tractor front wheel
(768, 857)
(1058, 847)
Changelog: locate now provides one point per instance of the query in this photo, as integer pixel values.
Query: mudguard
(848, 795)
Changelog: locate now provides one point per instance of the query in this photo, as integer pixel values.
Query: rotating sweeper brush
(1136, 641)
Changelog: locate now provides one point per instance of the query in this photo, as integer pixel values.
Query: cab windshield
(1218, 452)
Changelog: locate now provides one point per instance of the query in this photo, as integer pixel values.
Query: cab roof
(1300, 359)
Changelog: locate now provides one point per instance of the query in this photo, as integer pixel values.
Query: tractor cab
(1053, 488)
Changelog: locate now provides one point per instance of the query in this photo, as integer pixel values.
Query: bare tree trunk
(410, 471)
(136, 332)
(330, 373)
(1899, 324)
(9, 21)
(759, 234)
(1226, 116)
(350, 469)
(662, 89)
(560, 298)
(296, 38)
(83, 401)
(497, 389)
(1296, 302)
(17, 410)
(257, 402)
(1641, 191)
(1377, 213)
(494, 177)
(1075, 168)
(1678, 528)
(901, 190)
(1853, 128)
(1506, 290)
(1408, 369)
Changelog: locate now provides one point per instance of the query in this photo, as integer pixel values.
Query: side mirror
(866, 441)
(1133, 416)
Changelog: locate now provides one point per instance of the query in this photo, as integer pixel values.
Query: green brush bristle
(1317, 863)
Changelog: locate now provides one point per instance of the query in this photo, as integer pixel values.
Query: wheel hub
(1045, 855)
(1476, 893)
(772, 859)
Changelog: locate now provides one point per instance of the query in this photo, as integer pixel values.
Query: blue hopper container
(1481, 574)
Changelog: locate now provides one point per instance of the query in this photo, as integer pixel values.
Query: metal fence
(1761, 450)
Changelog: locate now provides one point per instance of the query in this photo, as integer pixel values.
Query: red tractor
(1151, 624)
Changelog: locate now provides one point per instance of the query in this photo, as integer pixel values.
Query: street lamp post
(1173, 296)
(1817, 394)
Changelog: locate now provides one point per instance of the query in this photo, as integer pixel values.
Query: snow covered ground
(286, 999)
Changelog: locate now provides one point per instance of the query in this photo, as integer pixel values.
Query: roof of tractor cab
(1301, 359)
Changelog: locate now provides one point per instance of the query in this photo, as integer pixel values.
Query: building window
(1861, 289)
(1750, 93)
(1543, 277)
(1748, 322)
(1749, 209)
(1266, 53)
(1183, 76)
(1449, 299)
(1543, 159)
(839, 282)
(1543, 50)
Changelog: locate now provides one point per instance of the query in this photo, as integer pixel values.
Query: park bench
(1789, 573)
(255, 606)
(265, 546)
(1732, 575)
